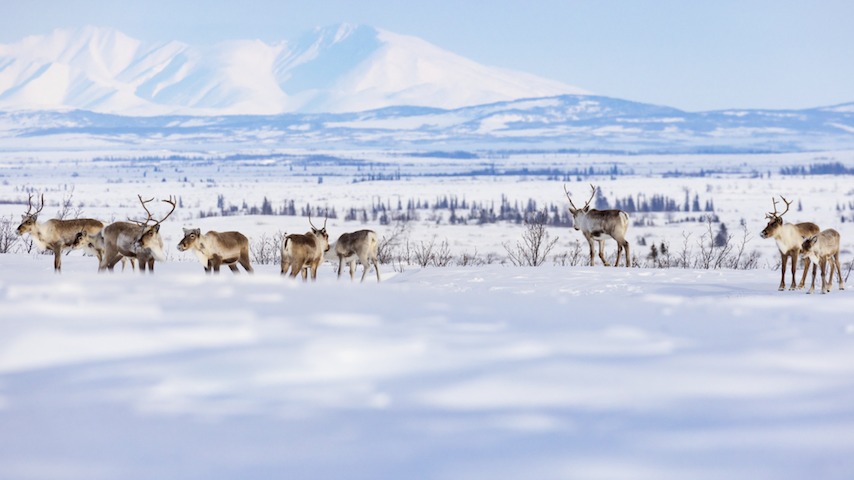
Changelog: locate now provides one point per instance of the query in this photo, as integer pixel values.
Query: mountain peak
(343, 67)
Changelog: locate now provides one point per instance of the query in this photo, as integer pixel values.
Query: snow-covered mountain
(567, 122)
(343, 68)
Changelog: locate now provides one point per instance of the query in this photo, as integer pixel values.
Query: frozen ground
(443, 373)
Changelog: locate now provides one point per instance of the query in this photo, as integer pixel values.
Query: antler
(143, 202)
(30, 206)
(171, 201)
(325, 218)
(788, 203)
(567, 197)
(593, 194)
(775, 214)
(174, 203)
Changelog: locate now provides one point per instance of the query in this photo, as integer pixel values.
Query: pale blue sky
(689, 54)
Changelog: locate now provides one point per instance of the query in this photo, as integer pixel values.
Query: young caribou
(304, 250)
(821, 249)
(55, 235)
(599, 225)
(361, 245)
(216, 248)
(789, 239)
(96, 244)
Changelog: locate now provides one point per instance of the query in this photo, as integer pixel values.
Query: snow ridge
(334, 69)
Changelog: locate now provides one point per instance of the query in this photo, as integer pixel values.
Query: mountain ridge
(584, 123)
(331, 69)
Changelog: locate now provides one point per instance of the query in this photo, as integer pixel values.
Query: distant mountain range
(582, 123)
(344, 68)
(348, 87)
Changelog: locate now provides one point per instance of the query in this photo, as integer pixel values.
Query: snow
(488, 372)
(475, 372)
(335, 69)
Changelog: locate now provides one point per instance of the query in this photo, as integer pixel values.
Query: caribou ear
(156, 228)
(572, 210)
(809, 241)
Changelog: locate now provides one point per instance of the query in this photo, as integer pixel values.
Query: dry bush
(430, 253)
(8, 235)
(536, 243)
(573, 257)
(267, 249)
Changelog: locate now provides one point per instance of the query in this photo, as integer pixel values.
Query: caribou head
(775, 219)
(29, 219)
(149, 233)
(320, 232)
(578, 213)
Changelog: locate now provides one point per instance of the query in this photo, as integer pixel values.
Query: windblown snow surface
(443, 373)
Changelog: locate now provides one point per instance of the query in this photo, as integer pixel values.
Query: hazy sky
(689, 54)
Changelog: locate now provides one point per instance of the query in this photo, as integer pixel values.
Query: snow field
(439, 373)
(489, 372)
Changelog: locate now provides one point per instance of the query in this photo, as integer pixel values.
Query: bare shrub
(743, 260)
(467, 259)
(571, 258)
(684, 258)
(8, 235)
(430, 253)
(267, 249)
(536, 243)
(712, 250)
(67, 209)
(389, 245)
(442, 256)
(719, 251)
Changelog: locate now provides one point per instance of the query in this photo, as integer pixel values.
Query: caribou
(54, 234)
(599, 225)
(361, 245)
(96, 245)
(789, 238)
(301, 252)
(821, 249)
(135, 239)
(216, 248)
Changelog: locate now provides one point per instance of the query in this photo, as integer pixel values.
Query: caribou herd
(139, 242)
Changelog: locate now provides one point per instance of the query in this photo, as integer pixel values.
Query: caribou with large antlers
(216, 248)
(54, 234)
(135, 239)
(304, 250)
(599, 225)
(789, 238)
